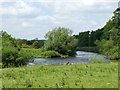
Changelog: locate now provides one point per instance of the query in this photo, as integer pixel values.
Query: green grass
(40, 53)
(36, 53)
(99, 75)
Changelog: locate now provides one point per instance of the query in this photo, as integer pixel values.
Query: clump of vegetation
(12, 55)
(92, 61)
(29, 83)
(110, 43)
(61, 40)
(36, 44)
(41, 53)
(50, 54)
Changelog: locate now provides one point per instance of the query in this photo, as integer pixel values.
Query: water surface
(81, 57)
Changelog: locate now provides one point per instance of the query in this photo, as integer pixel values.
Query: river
(81, 57)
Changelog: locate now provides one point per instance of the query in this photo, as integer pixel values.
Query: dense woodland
(60, 42)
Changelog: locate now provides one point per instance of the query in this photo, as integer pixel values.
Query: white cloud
(17, 8)
(30, 20)
(27, 24)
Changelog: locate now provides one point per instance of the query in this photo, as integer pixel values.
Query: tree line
(106, 39)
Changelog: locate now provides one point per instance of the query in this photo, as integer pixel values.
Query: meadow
(98, 75)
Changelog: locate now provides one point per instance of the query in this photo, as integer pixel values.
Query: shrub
(11, 56)
(50, 54)
(22, 58)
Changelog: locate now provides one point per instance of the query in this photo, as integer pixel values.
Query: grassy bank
(63, 76)
(40, 53)
(88, 49)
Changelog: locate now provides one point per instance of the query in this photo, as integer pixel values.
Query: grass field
(62, 76)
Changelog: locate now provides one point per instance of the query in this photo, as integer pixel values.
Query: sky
(30, 19)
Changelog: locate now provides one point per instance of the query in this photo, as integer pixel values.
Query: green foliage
(92, 61)
(36, 44)
(23, 43)
(11, 54)
(87, 38)
(35, 53)
(50, 54)
(8, 40)
(108, 48)
(29, 83)
(60, 40)
(23, 57)
(41, 53)
(88, 49)
(83, 38)
(0, 65)
(96, 75)
(110, 43)
(12, 57)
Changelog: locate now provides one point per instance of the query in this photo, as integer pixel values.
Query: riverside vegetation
(61, 43)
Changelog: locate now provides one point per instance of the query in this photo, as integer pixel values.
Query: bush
(22, 58)
(108, 48)
(11, 56)
(50, 54)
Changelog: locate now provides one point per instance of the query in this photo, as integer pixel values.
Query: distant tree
(36, 44)
(83, 39)
(110, 43)
(93, 36)
(61, 40)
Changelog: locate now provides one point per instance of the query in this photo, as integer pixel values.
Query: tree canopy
(11, 54)
(61, 40)
(110, 43)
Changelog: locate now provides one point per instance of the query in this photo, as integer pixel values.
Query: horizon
(28, 19)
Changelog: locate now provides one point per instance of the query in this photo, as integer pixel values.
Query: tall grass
(62, 76)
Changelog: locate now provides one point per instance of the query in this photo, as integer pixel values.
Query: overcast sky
(31, 19)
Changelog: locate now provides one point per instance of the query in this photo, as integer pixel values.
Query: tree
(83, 39)
(61, 40)
(110, 43)
(11, 54)
(36, 44)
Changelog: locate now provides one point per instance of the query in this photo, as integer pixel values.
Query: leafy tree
(8, 40)
(94, 35)
(110, 43)
(87, 38)
(36, 44)
(83, 38)
(11, 54)
(61, 40)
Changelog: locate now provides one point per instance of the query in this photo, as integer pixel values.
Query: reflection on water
(81, 57)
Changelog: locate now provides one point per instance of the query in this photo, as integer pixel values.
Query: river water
(81, 57)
